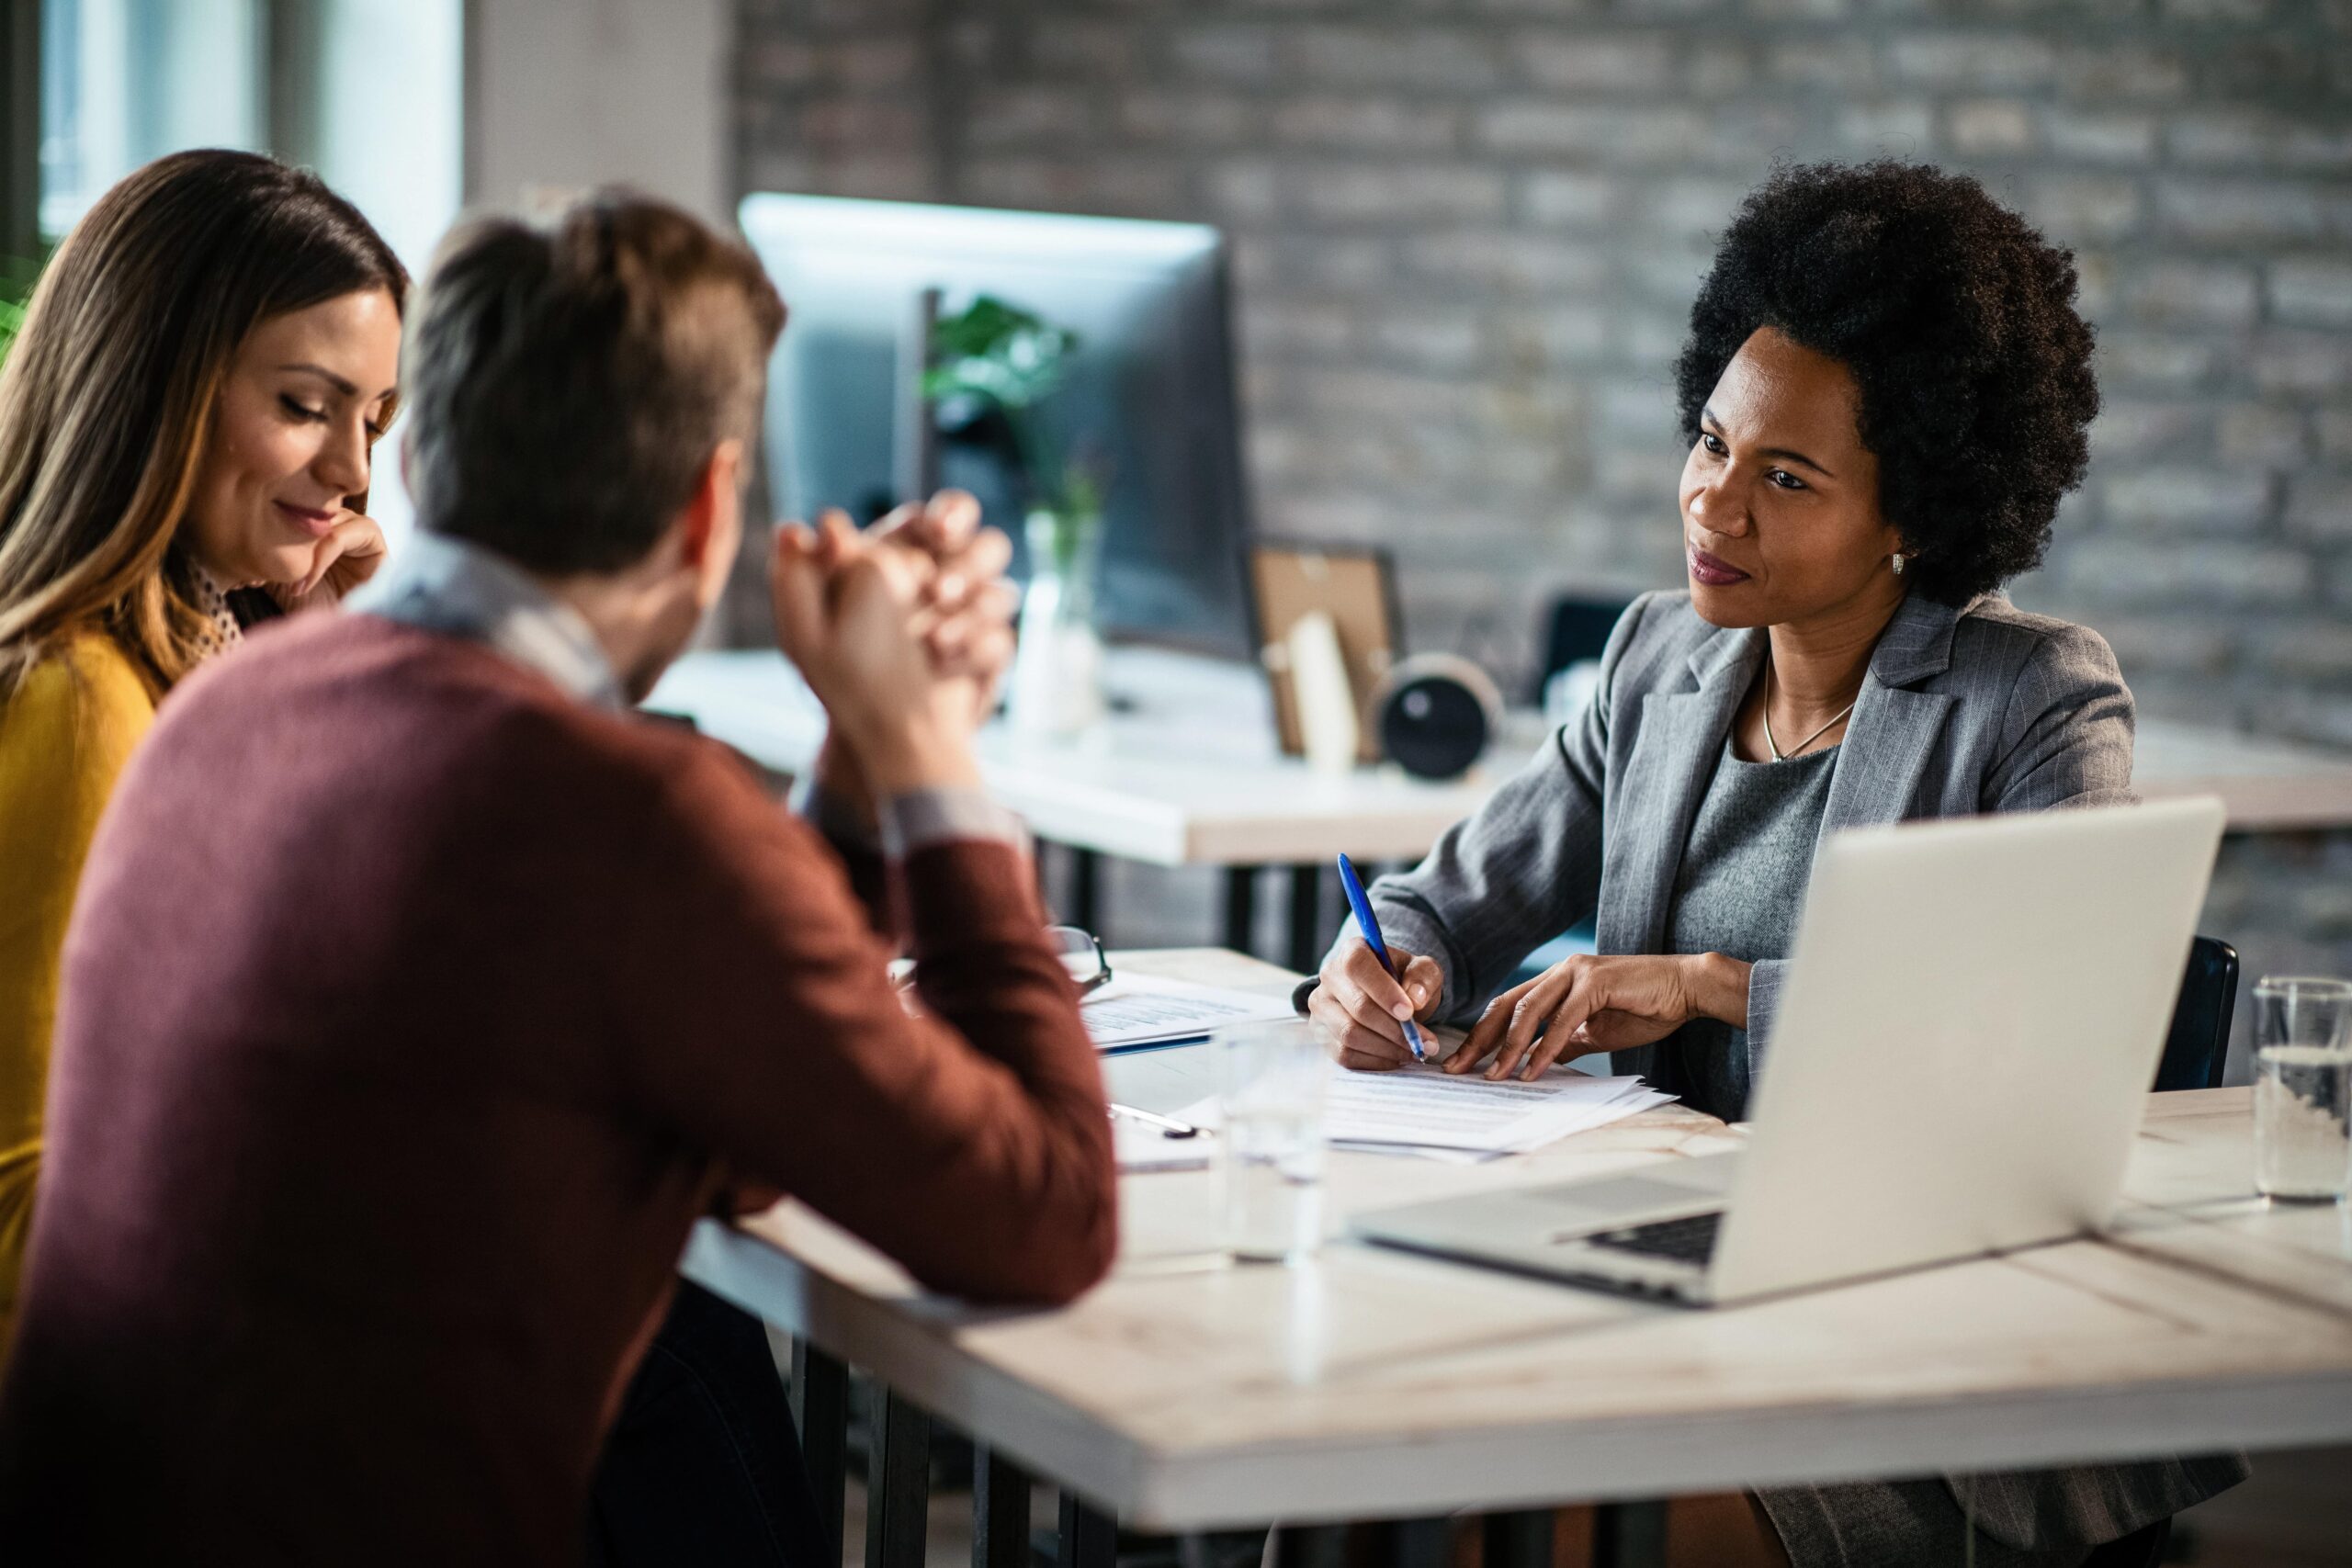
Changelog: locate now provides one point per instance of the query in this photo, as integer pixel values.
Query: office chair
(2197, 1045)
(1574, 625)
(2195, 1049)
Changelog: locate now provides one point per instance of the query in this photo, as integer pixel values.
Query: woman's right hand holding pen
(1359, 1008)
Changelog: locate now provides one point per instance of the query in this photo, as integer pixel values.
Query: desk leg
(1241, 906)
(1418, 1543)
(1519, 1540)
(1090, 1538)
(820, 1407)
(1629, 1535)
(898, 1482)
(1086, 890)
(1305, 918)
(1000, 1511)
(1310, 1546)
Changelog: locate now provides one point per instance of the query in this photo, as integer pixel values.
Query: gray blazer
(1962, 712)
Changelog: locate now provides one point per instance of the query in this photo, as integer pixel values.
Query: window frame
(20, 128)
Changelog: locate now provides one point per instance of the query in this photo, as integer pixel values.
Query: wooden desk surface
(1187, 1393)
(1191, 775)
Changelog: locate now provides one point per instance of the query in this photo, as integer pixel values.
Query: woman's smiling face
(305, 399)
(1780, 497)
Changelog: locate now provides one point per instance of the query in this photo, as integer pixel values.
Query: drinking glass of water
(2302, 1089)
(1274, 1078)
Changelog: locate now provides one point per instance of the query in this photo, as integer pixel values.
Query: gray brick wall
(1467, 234)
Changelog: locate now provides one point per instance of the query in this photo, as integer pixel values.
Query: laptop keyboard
(1689, 1240)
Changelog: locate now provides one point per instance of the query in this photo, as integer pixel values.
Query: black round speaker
(1435, 714)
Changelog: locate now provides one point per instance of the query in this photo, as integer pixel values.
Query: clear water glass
(2302, 1089)
(1273, 1079)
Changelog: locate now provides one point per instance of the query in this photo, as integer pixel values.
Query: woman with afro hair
(1885, 390)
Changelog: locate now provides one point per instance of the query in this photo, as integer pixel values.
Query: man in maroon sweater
(419, 998)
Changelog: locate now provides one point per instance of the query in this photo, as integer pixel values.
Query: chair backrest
(2197, 1046)
(1576, 625)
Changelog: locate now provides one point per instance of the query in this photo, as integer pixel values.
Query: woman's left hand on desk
(1602, 1003)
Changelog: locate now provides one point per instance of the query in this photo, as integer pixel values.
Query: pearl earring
(1898, 563)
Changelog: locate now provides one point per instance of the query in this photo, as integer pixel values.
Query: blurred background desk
(1186, 771)
(2270, 787)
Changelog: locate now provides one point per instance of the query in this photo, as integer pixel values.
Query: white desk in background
(2267, 786)
(1184, 1395)
(1186, 771)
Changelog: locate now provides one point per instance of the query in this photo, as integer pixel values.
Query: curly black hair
(1956, 320)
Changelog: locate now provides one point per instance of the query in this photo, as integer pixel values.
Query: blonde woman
(185, 429)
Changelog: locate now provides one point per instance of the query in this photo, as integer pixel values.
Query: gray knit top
(1741, 882)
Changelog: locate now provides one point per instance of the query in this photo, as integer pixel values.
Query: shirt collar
(443, 584)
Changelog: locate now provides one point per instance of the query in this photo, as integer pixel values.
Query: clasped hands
(1582, 1004)
(903, 632)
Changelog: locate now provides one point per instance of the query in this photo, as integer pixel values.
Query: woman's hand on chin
(346, 558)
(1602, 1003)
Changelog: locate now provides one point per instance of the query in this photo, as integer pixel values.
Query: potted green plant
(995, 363)
(16, 280)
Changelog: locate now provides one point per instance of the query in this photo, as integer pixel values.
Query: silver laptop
(1971, 1021)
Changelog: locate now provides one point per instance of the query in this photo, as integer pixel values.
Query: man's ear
(711, 529)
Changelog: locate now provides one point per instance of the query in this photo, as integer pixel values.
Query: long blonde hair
(108, 397)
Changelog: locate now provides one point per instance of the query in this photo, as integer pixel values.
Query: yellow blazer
(64, 737)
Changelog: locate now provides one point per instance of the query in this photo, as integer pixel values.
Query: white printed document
(1461, 1120)
(1423, 1110)
(1136, 1010)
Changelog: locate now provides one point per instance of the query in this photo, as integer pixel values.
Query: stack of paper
(1422, 1110)
(1463, 1121)
(1136, 1012)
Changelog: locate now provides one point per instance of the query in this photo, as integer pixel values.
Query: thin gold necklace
(1798, 749)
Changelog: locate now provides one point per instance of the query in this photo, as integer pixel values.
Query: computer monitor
(1149, 392)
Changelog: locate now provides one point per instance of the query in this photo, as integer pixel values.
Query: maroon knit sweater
(413, 1013)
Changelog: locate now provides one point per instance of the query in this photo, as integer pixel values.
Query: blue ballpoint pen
(1370, 927)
